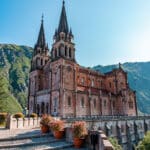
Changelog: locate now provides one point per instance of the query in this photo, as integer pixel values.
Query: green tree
(114, 142)
(145, 143)
(7, 101)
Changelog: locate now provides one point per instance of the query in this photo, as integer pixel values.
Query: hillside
(14, 69)
(139, 80)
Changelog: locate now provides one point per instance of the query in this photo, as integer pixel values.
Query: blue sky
(106, 31)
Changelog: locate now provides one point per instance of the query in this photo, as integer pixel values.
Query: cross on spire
(42, 17)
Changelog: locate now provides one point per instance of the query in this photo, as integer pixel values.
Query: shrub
(144, 144)
(33, 115)
(3, 118)
(114, 142)
(18, 115)
(57, 125)
(79, 129)
(46, 119)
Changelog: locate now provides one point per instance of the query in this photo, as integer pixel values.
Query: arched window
(94, 103)
(101, 83)
(41, 62)
(60, 51)
(122, 129)
(55, 105)
(55, 102)
(89, 82)
(105, 103)
(38, 62)
(31, 105)
(42, 108)
(70, 52)
(92, 84)
(38, 109)
(113, 103)
(110, 84)
(69, 101)
(47, 108)
(55, 53)
(82, 102)
(130, 104)
(65, 50)
(45, 61)
(82, 80)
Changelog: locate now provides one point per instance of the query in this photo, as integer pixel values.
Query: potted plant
(18, 115)
(79, 133)
(33, 115)
(57, 126)
(44, 122)
(3, 118)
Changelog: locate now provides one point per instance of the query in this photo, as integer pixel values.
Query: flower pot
(58, 134)
(44, 129)
(78, 142)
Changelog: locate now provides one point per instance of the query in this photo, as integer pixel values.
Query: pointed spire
(63, 24)
(120, 66)
(70, 32)
(41, 38)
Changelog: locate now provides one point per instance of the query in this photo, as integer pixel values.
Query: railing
(98, 117)
(22, 123)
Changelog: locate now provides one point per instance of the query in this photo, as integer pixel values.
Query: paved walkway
(31, 139)
(6, 133)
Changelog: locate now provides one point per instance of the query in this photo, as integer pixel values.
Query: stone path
(31, 139)
(6, 133)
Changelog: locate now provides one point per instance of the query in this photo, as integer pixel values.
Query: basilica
(59, 86)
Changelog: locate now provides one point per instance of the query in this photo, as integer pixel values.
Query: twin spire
(62, 27)
(63, 24)
(41, 38)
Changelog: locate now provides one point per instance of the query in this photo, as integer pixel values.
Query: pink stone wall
(64, 80)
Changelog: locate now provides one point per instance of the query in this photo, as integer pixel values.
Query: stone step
(73, 148)
(32, 140)
(27, 141)
(28, 136)
(10, 134)
(59, 145)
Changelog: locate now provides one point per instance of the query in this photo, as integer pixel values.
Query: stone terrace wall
(23, 123)
(129, 130)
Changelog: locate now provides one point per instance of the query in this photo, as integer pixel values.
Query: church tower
(41, 52)
(40, 57)
(63, 46)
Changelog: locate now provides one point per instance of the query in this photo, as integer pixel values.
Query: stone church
(59, 86)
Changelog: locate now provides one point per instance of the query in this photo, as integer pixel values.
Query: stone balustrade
(23, 123)
(98, 117)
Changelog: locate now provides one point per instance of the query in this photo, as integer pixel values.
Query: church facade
(59, 86)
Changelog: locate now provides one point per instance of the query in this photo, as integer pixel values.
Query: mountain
(14, 70)
(139, 80)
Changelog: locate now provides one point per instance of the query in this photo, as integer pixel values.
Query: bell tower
(63, 46)
(41, 52)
